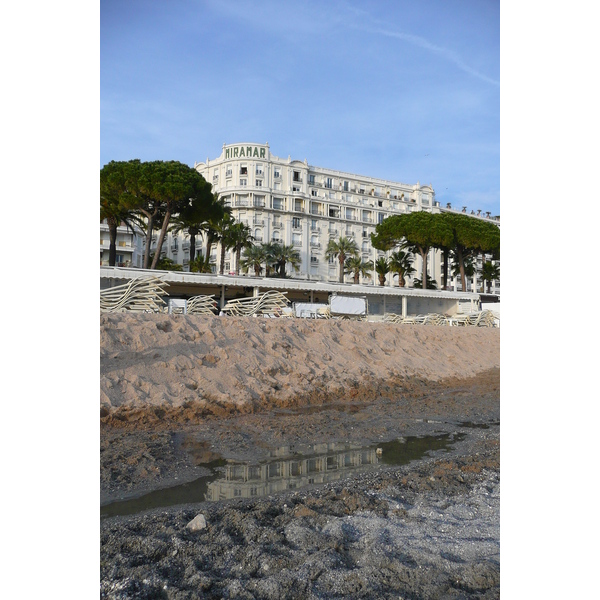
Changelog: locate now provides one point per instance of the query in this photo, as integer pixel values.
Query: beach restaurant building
(294, 203)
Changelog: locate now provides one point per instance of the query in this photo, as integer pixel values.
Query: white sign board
(347, 305)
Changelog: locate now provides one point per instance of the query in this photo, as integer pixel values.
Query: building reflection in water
(328, 462)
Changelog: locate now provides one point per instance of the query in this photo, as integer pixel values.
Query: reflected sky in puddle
(286, 469)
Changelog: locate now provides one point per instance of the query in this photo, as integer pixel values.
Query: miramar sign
(245, 152)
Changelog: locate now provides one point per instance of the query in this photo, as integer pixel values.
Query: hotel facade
(294, 203)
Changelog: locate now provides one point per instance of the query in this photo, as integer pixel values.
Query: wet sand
(429, 529)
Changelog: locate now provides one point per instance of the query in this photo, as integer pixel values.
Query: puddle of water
(285, 470)
(472, 425)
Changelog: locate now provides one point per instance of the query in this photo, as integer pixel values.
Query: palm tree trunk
(445, 268)
(193, 231)
(342, 259)
(424, 272)
(238, 252)
(148, 240)
(112, 249)
(222, 265)
(461, 266)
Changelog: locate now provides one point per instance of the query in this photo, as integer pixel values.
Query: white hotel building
(297, 204)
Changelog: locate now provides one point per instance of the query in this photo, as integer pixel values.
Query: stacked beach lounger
(485, 318)
(269, 304)
(202, 305)
(142, 294)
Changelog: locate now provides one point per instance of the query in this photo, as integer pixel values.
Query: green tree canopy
(420, 231)
(470, 236)
(113, 204)
(194, 217)
(158, 190)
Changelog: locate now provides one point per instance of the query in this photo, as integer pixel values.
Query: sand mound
(156, 360)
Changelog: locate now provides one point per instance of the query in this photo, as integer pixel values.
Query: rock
(197, 524)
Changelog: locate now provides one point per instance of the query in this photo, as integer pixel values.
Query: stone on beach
(197, 524)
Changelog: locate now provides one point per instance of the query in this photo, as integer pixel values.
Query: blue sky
(403, 90)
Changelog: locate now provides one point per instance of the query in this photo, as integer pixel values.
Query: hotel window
(297, 239)
(278, 203)
(243, 182)
(276, 173)
(297, 176)
(228, 172)
(329, 182)
(243, 170)
(277, 185)
(311, 180)
(346, 186)
(258, 183)
(296, 223)
(295, 188)
(313, 193)
(259, 170)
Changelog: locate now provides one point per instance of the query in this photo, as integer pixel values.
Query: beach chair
(435, 319)
(202, 305)
(270, 303)
(392, 318)
(141, 294)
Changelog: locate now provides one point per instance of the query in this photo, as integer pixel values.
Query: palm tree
(115, 214)
(279, 255)
(199, 265)
(213, 227)
(253, 258)
(468, 270)
(430, 284)
(239, 237)
(166, 264)
(217, 231)
(400, 262)
(490, 271)
(356, 267)
(341, 249)
(382, 268)
(113, 205)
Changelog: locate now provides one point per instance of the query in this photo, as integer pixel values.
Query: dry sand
(235, 364)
